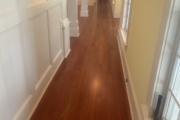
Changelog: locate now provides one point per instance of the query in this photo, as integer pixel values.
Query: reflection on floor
(89, 84)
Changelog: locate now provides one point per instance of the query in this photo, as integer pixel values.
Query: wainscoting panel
(5, 111)
(8, 5)
(31, 51)
(40, 47)
(13, 67)
(34, 2)
(55, 30)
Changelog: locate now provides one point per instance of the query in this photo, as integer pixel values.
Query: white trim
(84, 11)
(28, 107)
(134, 105)
(68, 53)
(74, 32)
(126, 14)
(159, 58)
(175, 98)
(74, 24)
(43, 77)
(74, 28)
(65, 23)
(57, 56)
(123, 34)
(40, 97)
(36, 3)
(22, 107)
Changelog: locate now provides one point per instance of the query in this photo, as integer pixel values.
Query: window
(172, 106)
(125, 20)
(165, 76)
(172, 111)
(126, 14)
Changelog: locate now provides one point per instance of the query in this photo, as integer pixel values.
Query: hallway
(89, 85)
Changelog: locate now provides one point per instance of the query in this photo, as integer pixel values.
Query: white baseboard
(84, 11)
(84, 14)
(74, 24)
(116, 15)
(74, 32)
(68, 53)
(74, 28)
(44, 90)
(28, 107)
(23, 107)
(134, 105)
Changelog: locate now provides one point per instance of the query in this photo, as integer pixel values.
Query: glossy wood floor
(89, 84)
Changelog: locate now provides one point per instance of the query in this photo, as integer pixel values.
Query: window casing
(125, 19)
(126, 14)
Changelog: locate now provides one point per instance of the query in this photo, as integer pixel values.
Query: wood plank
(90, 83)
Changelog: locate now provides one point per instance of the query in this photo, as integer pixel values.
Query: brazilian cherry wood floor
(89, 84)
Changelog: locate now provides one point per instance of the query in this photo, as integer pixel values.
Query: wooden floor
(89, 84)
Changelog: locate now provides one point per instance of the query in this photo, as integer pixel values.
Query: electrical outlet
(127, 80)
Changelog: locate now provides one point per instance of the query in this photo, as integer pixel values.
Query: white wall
(31, 49)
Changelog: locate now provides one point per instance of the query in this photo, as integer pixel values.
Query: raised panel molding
(10, 19)
(5, 111)
(8, 5)
(43, 77)
(13, 67)
(65, 23)
(55, 32)
(31, 3)
(31, 51)
(40, 54)
(40, 7)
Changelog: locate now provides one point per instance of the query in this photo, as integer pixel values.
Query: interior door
(30, 52)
